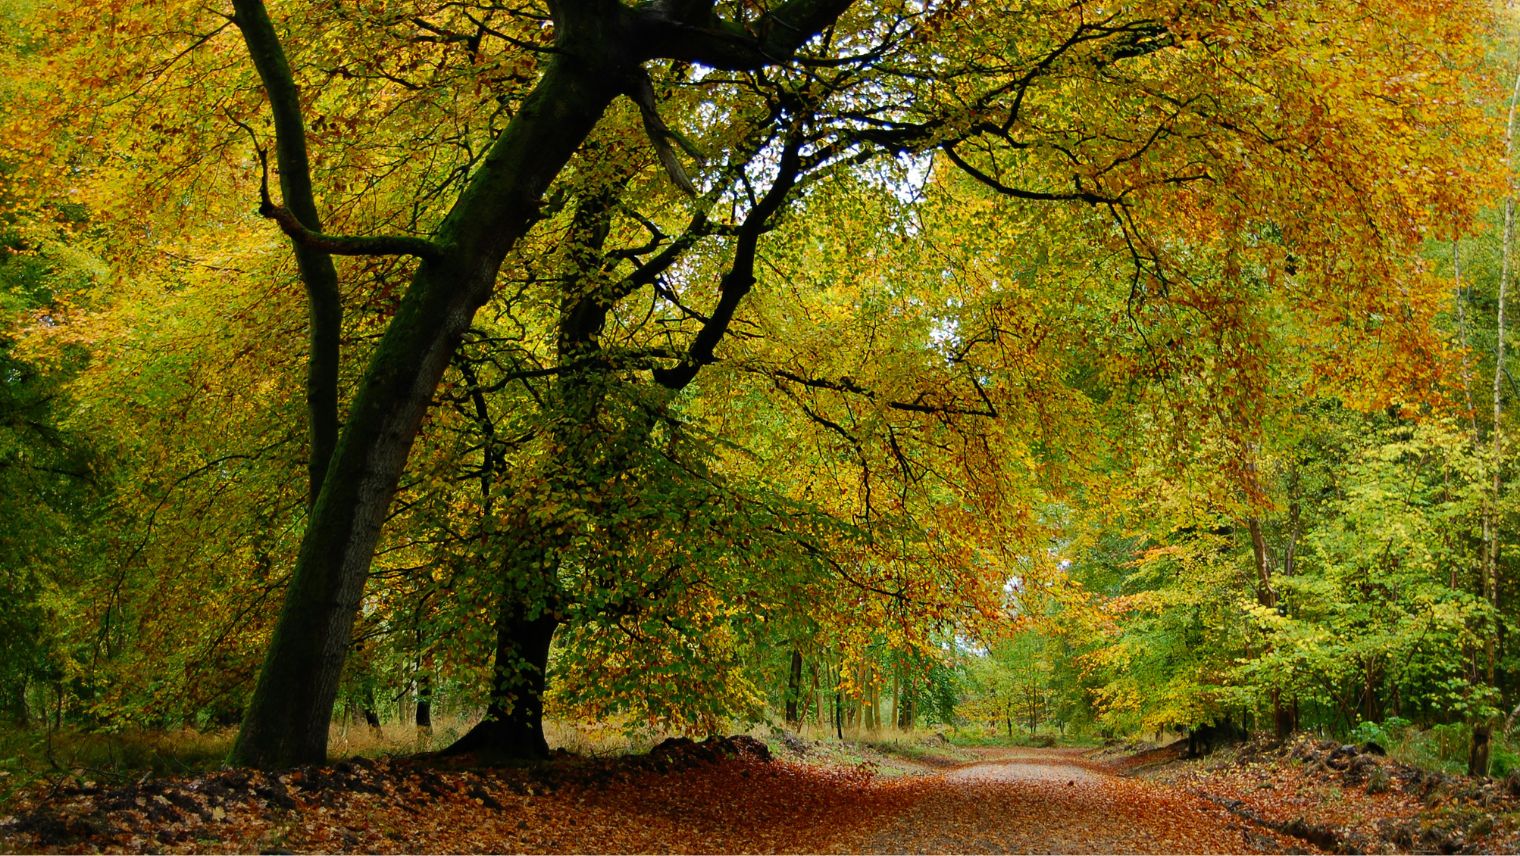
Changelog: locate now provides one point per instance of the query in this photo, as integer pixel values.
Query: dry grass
(596, 739)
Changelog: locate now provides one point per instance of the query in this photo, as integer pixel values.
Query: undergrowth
(31, 756)
(1439, 748)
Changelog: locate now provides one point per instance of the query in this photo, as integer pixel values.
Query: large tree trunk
(513, 725)
(589, 452)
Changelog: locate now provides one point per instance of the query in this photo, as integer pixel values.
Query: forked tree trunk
(599, 48)
(289, 715)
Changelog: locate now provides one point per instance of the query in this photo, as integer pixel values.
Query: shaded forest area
(484, 376)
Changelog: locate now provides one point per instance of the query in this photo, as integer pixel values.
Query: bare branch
(338, 245)
(1078, 195)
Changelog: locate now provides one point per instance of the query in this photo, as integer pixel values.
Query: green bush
(1385, 733)
(1373, 732)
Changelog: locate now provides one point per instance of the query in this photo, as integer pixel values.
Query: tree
(599, 49)
(1102, 152)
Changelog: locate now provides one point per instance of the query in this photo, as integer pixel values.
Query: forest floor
(726, 797)
(1340, 798)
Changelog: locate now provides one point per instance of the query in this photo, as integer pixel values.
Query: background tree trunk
(513, 727)
(425, 705)
(794, 689)
(1477, 762)
(369, 712)
(14, 704)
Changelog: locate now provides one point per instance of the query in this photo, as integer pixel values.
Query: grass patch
(31, 756)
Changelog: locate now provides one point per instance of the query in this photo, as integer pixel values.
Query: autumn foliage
(675, 366)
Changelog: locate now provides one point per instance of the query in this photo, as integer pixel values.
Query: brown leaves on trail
(657, 804)
(1052, 801)
(725, 797)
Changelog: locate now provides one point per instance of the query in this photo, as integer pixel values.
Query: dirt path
(1049, 801)
(1008, 800)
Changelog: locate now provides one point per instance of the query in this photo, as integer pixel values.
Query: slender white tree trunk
(1496, 438)
(1477, 761)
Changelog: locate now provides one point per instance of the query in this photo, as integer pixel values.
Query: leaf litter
(722, 795)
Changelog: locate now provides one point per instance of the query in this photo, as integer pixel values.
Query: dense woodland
(1097, 369)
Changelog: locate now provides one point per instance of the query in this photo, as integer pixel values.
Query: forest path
(1049, 801)
(1005, 800)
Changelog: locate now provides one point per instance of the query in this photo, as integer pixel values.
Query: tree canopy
(686, 362)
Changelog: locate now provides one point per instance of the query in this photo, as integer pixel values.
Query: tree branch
(1078, 195)
(853, 387)
(338, 245)
(691, 32)
(642, 93)
(741, 275)
(349, 245)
